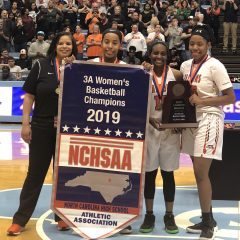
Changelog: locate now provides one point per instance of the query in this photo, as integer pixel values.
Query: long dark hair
(51, 53)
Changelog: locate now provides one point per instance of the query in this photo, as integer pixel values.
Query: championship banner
(99, 166)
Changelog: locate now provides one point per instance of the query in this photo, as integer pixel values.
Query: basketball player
(163, 145)
(213, 89)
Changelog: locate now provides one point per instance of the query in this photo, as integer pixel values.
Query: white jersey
(163, 147)
(98, 60)
(211, 79)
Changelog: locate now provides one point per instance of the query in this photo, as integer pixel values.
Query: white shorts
(163, 150)
(206, 140)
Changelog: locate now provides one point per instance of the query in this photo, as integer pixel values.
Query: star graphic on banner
(128, 134)
(87, 129)
(65, 128)
(107, 131)
(97, 130)
(118, 133)
(76, 129)
(139, 134)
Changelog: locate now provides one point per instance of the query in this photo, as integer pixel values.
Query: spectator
(39, 48)
(154, 22)
(33, 11)
(4, 56)
(111, 9)
(174, 59)
(80, 40)
(67, 29)
(102, 6)
(41, 20)
(24, 61)
(14, 10)
(183, 12)
(146, 15)
(15, 71)
(94, 43)
(131, 58)
(5, 30)
(5, 73)
(162, 12)
(185, 36)
(19, 35)
(103, 23)
(28, 24)
(51, 36)
(136, 39)
(174, 33)
(54, 17)
(118, 17)
(213, 12)
(92, 17)
(135, 20)
(132, 7)
(83, 10)
(156, 35)
(198, 11)
(70, 13)
(230, 8)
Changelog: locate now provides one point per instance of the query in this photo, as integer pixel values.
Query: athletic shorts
(206, 140)
(163, 150)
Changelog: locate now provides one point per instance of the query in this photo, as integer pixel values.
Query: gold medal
(57, 91)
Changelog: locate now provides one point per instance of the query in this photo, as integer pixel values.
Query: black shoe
(148, 224)
(197, 228)
(207, 233)
(170, 225)
(126, 230)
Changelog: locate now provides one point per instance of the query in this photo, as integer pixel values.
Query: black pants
(168, 185)
(41, 151)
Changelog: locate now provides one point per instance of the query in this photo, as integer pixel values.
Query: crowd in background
(27, 27)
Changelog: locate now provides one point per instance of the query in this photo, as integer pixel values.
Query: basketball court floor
(13, 168)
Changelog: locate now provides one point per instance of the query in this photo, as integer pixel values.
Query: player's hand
(147, 66)
(195, 99)
(176, 130)
(26, 133)
(69, 60)
(156, 124)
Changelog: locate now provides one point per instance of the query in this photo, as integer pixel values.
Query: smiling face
(64, 47)
(110, 46)
(198, 47)
(158, 55)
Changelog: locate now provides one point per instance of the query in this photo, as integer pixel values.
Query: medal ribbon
(193, 74)
(160, 87)
(57, 69)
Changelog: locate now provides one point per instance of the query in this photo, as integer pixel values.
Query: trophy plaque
(177, 111)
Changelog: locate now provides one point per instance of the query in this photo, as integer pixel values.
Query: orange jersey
(81, 39)
(94, 50)
(92, 23)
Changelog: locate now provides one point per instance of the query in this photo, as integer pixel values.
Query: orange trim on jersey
(194, 70)
(216, 137)
(206, 139)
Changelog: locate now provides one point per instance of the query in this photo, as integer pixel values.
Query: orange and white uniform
(206, 140)
(163, 147)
